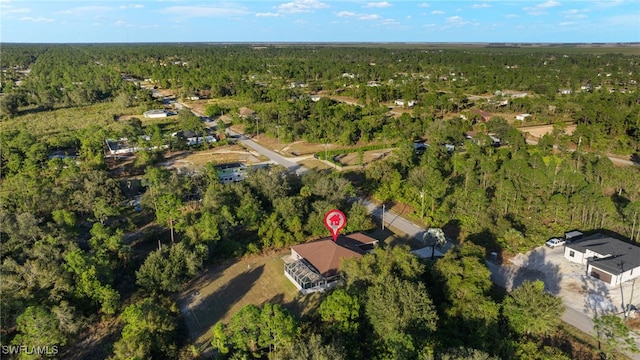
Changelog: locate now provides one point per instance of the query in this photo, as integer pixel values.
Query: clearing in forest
(221, 291)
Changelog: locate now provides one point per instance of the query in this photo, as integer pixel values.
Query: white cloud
(6, 10)
(359, 16)
(369, 17)
(540, 9)
(512, 16)
(346, 14)
(437, 12)
(390, 22)
(298, 6)
(575, 13)
(567, 23)
(429, 25)
(123, 23)
(548, 4)
(480, 6)
(267, 14)
(456, 21)
(135, 6)
(203, 11)
(382, 4)
(36, 19)
(83, 10)
(423, 5)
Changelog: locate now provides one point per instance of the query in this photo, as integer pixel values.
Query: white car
(553, 242)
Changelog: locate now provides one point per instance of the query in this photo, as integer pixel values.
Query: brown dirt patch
(353, 159)
(540, 130)
(219, 155)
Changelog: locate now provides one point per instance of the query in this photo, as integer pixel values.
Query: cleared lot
(223, 290)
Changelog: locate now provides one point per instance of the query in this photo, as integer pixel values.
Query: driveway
(583, 296)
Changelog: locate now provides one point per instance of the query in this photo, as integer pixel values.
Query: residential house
(606, 258)
(155, 114)
(233, 172)
(246, 113)
(401, 102)
(485, 115)
(522, 117)
(120, 146)
(566, 91)
(315, 266)
(193, 138)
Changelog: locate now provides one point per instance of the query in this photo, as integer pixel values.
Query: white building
(608, 259)
(155, 114)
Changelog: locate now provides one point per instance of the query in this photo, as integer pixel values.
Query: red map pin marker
(335, 220)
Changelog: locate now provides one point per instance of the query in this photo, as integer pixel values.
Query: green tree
(169, 268)
(37, 326)
(381, 264)
(311, 347)
(88, 284)
(613, 335)
(168, 211)
(278, 328)
(342, 312)
(220, 339)
(149, 330)
(402, 314)
(9, 105)
(102, 210)
(531, 311)
(470, 315)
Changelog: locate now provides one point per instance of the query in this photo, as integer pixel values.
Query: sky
(550, 21)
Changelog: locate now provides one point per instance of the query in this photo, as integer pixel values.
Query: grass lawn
(223, 290)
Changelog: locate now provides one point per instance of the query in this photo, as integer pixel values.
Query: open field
(43, 123)
(540, 130)
(218, 155)
(223, 290)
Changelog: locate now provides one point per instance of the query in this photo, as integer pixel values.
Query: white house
(401, 102)
(522, 117)
(193, 138)
(155, 114)
(608, 259)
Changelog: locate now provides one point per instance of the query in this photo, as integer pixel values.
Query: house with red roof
(315, 266)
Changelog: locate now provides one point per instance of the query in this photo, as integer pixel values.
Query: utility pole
(422, 198)
(325, 155)
(382, 216)
(624, 307)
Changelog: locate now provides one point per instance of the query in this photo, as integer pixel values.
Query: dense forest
(78, 252)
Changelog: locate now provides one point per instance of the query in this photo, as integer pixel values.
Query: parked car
(553, 242)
